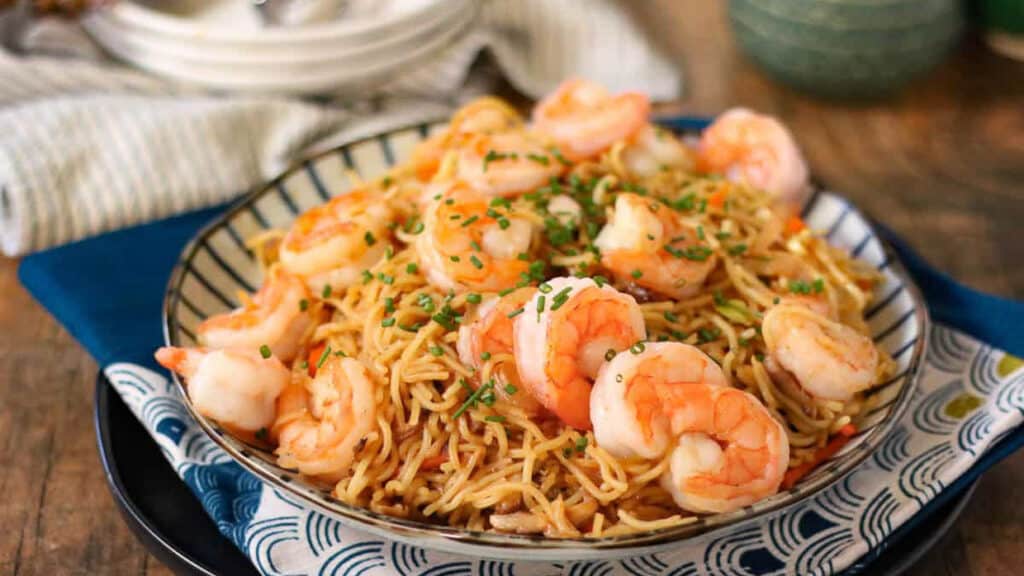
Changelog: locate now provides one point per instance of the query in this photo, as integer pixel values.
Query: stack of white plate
(222, 44)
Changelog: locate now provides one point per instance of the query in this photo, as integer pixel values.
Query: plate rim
(480, 543)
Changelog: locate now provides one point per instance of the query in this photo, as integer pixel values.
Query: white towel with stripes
(88, 146)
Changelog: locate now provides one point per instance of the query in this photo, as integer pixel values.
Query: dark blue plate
(169, 521)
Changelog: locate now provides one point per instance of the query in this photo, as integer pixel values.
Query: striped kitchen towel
(82, 140)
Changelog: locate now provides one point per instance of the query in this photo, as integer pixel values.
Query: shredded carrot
(793, 475)
(717, 198)
(794, 225)
(434, 462)
(313, 357)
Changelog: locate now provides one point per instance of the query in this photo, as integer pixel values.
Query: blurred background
(913, 109)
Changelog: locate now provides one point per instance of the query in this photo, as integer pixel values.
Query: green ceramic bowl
(847, 48)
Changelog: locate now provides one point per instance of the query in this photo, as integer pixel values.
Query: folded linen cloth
(965, 415)
(83, 140)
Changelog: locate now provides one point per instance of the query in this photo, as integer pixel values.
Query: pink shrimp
(482, 116)
(491, 335)
(274, 317)
(827, 359)
(462, 247)
(584, 119)
(563, 335)
(237, 388)
(506, 163)
(331, 244)
(757, 150)
(725, 449)
(320, 422)
(647, 244)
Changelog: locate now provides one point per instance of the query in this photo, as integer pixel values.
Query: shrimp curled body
(725, 449)
(237, 388)
(563, 335)
(319, 424)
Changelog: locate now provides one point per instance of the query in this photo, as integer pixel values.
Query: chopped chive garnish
(581, 443)
(455, 258)
(326, 292)
(386, 278)
(799, 287)
(671, 317)
(539, 159)
(674, 251)
(303, 305)
(545, 288)
(516, 312)
(455, 216)
(700, 232)
(485, 356)
(504, 223)
(388, 322)
(449, 201)
(600, 281)
(775, 300)
(759, 356)
(470, 220)
(475, 245)
(436, 350)
(505, 292)
(511, 389)
(567, 452)
(412, 268)
(444, 320)
(610, 354)
(497, 419)
(558, 156)
(697, 253)
(340, 354)
(265, 351)
(818, 285)
(323, 357)
(389, 253)
(367, 276)
(541, 300)
(523, 256)
(389, 305)
(474, 298)
(637, 348)
(476, 262)
(737, 249)
(262, 434)
(369, 239)
(636, 273)
(304, 365)
(561, 298)
(722, 235)
(418, 228)
(473, 398)
(410, 327)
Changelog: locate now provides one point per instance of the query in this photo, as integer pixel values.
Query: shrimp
(828, 360)
(491, 335)
(320, 423)
(482, 116)
(506, 163)
(653, 150)
(274, 317)
(461, 247)
(725, 449)
(757, 150)
(647, 244)
(564, 334)
(331, 244)
(584, 119)
(237, 388)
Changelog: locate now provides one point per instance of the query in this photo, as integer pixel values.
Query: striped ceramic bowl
(216, 265)
(847, 48)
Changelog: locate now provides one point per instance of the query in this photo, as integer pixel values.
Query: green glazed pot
(847, 48)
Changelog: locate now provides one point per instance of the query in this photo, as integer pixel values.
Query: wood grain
(942, 163)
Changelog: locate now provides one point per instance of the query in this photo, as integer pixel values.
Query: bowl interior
(217, 265)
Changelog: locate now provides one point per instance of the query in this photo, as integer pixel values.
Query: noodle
(435, 456)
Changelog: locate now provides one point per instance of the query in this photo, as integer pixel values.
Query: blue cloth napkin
(108, 292)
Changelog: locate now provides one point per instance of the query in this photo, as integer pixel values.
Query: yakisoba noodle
(449, 443)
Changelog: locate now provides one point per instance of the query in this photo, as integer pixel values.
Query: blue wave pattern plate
(289, 526)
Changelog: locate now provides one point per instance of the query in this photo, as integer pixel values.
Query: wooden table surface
(942, 163)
